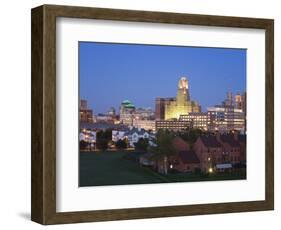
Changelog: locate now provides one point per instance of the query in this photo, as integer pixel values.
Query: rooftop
(210, 141)
(189, 157)
(180, 144)
(229, 139)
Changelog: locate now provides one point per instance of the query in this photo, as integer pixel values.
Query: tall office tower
(182, 104)
(229, 99)
(238, 101)
(83, 104)
(160, 104)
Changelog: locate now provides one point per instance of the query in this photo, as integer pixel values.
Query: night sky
(110, 73)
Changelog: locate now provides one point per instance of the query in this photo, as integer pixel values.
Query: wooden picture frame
(43, 207)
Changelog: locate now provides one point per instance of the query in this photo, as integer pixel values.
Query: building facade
(197, 120)
(160, 105)
(175, 125)
(226, 118)
(144, 114)
(83, 104)
(172, 108)
(127, 112)
(148, 125)
(185, 160)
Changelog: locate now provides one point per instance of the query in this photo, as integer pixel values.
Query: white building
(88, 136)
(118, 135)
(132, 135)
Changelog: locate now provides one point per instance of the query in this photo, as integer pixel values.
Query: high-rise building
(229, 99)
(172, 108)
(225, 118)
(85, 114)
(127, 112)
(160, 107)
(182, 105)
(238, 101)
(83, 104)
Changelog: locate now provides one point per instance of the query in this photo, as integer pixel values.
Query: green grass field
(110, 168)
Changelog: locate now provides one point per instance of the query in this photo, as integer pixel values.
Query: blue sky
(110, 73)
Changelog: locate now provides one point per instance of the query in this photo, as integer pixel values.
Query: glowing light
(210, 170)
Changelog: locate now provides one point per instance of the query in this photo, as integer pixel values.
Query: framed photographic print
(140, 114)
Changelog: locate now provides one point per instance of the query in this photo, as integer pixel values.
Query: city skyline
(111, 73)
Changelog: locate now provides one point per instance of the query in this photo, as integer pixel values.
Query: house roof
(189, 157)
(136, 130)
(180, 144)
(210, 141)
(229, 139)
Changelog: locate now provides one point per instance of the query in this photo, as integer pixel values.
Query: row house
(231, 148)
(185, 160)
(220, 152)
(209, 151)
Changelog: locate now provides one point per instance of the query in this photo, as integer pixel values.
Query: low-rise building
(88, 136)
(148, 125)
(144, 114)
(134, 134)
(86, 115)
(224, 118)
(231, 148)
(209, 152)
(197, 120)
(186, 160)
(174, 125)
(118, 135)
(241, 138)
(220, 152)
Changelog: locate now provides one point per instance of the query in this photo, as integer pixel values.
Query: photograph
(153, 113)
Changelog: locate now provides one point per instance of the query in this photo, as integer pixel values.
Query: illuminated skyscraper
(160, 107)
(182, 104)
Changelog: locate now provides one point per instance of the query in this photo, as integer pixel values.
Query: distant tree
(142, 144)
(103, 138)
(121, 144)
(191, 135)
(83, 145)
(102, 143)
(162, 149)
(107, 134)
